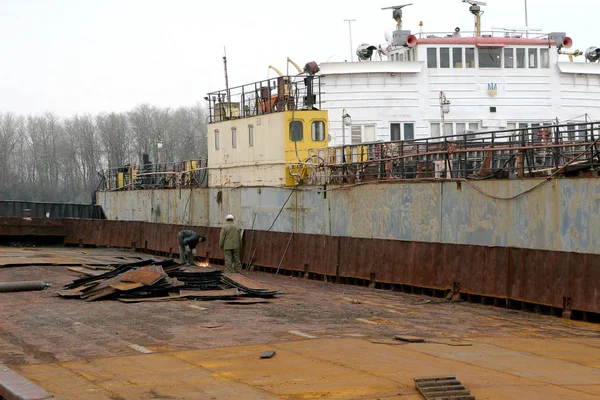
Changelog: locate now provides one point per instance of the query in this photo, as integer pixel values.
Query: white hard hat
(229, 218)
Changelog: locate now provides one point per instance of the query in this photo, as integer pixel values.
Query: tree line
(47, 158)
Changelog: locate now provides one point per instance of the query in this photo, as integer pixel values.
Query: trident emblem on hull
(492, 89)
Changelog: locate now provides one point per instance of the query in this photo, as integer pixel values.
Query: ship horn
(567, 42)
(411, 41)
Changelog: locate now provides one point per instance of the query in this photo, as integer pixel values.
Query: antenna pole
(526, 21)
(350, 21)
(226, 80)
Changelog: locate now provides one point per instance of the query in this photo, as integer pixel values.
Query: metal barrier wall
(23, 227)
(15, 208)
(569, 281)
(562, 280)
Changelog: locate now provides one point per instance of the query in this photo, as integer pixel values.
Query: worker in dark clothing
(188, 240)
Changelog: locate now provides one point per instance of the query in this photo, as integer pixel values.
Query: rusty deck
(331, 341)
(555, 282)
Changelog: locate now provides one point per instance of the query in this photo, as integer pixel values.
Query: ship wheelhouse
(255, 131)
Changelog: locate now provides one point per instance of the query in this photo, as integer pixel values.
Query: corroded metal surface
(309, 253)
(558, 215)
(104, 232)
(19, 209)
(31, 227)
(557, 279)
(331, 342)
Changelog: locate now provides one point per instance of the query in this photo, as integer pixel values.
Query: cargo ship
(462, 163)
(462, 166)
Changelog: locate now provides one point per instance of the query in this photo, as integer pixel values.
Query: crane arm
(295, 65)
(276, 70)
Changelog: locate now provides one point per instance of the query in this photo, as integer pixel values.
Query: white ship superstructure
(428, 85)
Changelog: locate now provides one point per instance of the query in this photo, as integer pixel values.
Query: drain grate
(442, 388)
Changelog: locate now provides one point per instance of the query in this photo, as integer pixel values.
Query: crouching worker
(188, 240)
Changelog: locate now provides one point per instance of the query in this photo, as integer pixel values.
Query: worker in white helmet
(230, 242)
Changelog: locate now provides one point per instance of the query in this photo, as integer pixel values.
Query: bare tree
(189, 129)
(46, 136)
(115, 135)
(82, 160)
(10, 129)
(45, 159)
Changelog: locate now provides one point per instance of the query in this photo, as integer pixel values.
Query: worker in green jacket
(230, 242)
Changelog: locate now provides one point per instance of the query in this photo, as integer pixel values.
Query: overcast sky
(84, 56)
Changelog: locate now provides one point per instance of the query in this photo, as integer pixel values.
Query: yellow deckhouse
(259, 134)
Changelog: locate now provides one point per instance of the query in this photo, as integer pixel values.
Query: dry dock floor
(331, 342)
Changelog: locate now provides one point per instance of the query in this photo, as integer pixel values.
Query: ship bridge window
(457, 57)
(470, 57)
(533, 58)
(509, 58)
(296, 131)
(448, 129)
(217, 139)
(318, 131)
(490, 57)
(395, 133)
(435, 129)
(461, 129)
(409, 131)
(444, 57)
(396, 130)
(453, 128)
(432, 57)
(544, 58)
(520, 58)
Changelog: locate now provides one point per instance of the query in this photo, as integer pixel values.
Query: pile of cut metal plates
(152, 280)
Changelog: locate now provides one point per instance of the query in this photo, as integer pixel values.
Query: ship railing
(544, 150)
(284, 93)
(191, 173)
(499, 32)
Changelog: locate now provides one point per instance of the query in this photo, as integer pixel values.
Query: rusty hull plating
(561, 280)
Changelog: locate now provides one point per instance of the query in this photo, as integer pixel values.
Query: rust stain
(541, 277)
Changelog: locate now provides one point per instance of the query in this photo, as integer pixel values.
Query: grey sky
(109, 55)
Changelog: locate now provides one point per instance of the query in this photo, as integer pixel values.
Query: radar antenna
(476, 10)
(397, 14)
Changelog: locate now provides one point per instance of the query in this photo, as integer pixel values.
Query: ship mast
(397, 14)
(226, 80)
(476, 10)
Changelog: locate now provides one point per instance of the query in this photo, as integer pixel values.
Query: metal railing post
(466, 157)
